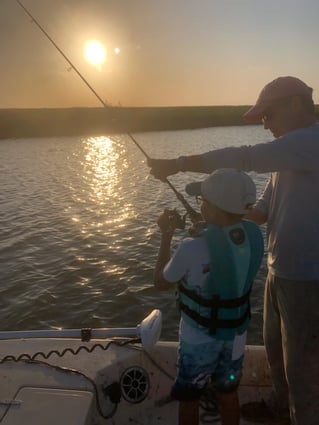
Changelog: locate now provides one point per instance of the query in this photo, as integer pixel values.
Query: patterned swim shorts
(218, 361)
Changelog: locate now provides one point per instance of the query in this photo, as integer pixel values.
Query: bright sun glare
(95, 53)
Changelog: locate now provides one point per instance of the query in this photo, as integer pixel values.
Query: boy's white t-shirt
(192, 261)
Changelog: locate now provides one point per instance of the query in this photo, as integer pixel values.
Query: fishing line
(190, 211)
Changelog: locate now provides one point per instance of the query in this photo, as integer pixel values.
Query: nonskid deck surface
(208, 417)
(132, 386)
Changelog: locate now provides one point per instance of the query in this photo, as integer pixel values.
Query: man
(290, 206)
(215, 271)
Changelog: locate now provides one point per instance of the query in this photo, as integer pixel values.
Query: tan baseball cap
(274, 91)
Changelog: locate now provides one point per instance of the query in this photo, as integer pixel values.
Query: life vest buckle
(215, 300)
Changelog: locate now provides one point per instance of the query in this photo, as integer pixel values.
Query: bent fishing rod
(189, 210)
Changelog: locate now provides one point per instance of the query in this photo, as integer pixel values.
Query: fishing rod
(189, 210)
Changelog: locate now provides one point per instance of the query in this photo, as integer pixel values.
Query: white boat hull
(41, 392)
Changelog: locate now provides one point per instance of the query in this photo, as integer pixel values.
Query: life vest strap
(213, 323)
(215, 301)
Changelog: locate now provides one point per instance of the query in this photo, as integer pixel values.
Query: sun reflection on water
(101, 168)
(104, 165)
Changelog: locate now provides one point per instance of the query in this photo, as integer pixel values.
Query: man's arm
(258, 216)
(259, 213)
(297, 150)
(162, 168)
(232, 157)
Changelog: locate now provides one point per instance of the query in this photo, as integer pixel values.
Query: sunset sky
(168, 52)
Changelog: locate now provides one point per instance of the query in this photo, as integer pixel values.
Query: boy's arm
(167, 223)
(163, 257)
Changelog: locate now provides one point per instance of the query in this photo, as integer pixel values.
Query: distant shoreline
(59, 122)
(50, 122)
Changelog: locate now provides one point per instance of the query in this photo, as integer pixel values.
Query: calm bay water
(78, 228)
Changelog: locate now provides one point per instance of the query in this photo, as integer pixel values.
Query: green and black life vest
(221, 307)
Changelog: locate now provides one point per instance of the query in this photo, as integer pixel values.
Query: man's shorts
(217, 361)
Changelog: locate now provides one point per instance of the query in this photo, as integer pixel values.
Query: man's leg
(273, 342)
(277, 405)
(299, 307)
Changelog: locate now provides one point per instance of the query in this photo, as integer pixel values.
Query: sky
(170, 52)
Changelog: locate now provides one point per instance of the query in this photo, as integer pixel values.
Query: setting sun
(95, 53)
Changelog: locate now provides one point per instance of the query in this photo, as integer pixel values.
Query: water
(79, 238)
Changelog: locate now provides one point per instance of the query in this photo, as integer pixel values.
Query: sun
(95, 53)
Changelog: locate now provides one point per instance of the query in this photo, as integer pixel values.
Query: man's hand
(257, 216)
(162, 168)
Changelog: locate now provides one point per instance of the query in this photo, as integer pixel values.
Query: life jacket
(221, 306)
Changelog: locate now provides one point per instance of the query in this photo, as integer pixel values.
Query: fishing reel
(178, 221)
(197, 223)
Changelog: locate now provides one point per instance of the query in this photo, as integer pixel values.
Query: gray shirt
(290, 199)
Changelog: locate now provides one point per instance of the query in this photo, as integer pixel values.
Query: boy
(215, 272)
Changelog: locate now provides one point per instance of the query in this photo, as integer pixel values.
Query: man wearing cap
(215, 272)
(290, 207)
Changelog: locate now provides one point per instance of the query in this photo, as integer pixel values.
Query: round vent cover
(135, 384)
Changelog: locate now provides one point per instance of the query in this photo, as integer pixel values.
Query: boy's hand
(168, 221)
